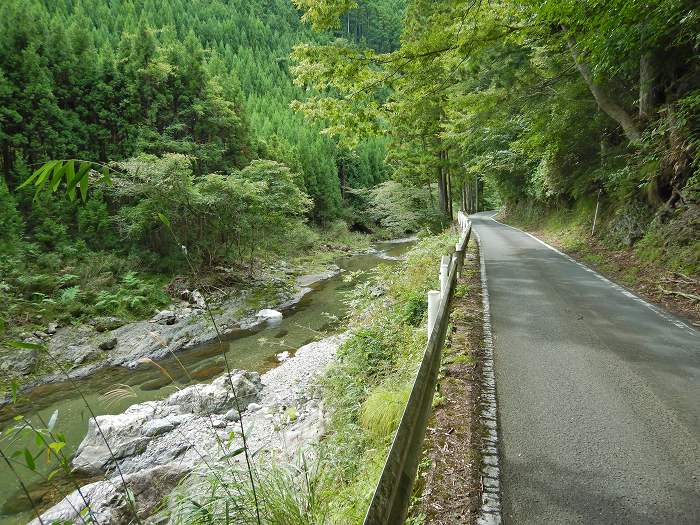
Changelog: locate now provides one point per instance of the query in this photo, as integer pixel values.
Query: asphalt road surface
(598, 392)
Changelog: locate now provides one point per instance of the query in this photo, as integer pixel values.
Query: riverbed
(257, 348)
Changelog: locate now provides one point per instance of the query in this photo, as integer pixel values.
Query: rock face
(18, 361)
(107, 499)
(108, 344)
(165, 317)
(157, 443)
(131, 434)
(106, 323)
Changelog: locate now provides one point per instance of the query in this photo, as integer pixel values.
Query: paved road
(599, 394)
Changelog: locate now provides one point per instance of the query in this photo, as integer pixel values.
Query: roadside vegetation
(364, 394)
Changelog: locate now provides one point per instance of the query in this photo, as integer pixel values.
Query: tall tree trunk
(605, 102)
(442, 199)
(646, 85)
(449, 187)
(7, 164)
(443, 185)
(449, 196)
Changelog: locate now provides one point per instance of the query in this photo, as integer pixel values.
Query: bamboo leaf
(56, 166)
(84, 187)
(22, 344)
(84, 168)
(70, 173)
(106, 177)
(34, 175)
(29, 460)
(164, 219)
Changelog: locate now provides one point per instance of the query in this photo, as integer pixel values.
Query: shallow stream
(255, 349)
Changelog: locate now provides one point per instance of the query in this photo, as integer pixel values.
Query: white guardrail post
(433, 305)
(444, 273)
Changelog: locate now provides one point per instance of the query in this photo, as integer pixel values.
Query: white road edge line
(675, 321)
(490, 511)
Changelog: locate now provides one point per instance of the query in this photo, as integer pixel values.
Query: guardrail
(393, 493)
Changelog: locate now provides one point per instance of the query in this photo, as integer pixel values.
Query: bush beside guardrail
(392, 496)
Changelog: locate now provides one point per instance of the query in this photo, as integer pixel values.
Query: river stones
(108, 344)
(77, 354)
(107, 323)
(269, 314)
(20, 361)
(131, 433)
(167, 317)
(107, 499)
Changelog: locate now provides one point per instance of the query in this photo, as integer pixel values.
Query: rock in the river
(268, 313)
(156, 427)
(165, 317)
(18, 361)
(129, 434)
(107, 323)
(108, 344)
(286, 419)
(216, 397)
(107, 499)
(282, 356)
(75, 355)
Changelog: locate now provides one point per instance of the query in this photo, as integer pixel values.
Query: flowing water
(255, 349)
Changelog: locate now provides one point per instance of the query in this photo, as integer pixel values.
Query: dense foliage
(188, 104)
(537, 103)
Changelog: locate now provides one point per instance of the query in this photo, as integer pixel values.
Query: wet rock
(208, 371)
(167, 317)
(108, 344)
(107, 323)
(19, 361)
(156, 384)
(269, 314)
(51, 328)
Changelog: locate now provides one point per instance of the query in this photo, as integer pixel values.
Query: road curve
(598, 392)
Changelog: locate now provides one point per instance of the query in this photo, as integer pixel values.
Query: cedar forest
(154, 147)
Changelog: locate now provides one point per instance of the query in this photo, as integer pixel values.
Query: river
(256, 349)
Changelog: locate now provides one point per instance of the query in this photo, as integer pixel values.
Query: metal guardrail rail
(392, 496)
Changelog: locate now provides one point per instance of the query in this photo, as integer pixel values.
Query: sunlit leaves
(51, 174)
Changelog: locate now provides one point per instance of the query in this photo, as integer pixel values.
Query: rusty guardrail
(392, 496)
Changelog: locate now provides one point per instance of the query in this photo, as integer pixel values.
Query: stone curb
(490, 511)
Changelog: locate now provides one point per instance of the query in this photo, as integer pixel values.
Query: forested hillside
(543, 106)
(181, 99)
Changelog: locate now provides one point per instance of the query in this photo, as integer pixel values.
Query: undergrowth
(364, 392)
